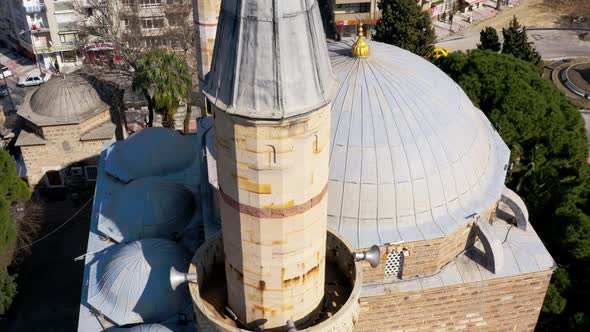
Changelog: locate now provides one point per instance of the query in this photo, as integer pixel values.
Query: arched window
(272, 155)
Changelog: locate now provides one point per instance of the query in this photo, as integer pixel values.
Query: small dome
(147, 208)
(150, 152)
(411, 157)
(70, 99)
(130, 283)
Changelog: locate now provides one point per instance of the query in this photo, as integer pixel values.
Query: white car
(33, 79)
(5, 71)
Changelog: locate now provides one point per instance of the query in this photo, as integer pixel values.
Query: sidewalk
(461, 20)
(18, 64)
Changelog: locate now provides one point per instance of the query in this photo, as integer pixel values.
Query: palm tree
(164, 79)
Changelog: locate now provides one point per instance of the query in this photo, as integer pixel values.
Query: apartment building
(44, 30)
(347, 14)
(341, 17)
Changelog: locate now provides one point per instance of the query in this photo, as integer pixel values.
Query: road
(552, 44)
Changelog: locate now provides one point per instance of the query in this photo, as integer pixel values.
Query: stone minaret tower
(206, 16)
(269, 85)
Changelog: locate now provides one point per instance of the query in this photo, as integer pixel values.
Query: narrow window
(272, 155)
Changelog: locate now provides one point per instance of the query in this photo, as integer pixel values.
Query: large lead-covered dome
(411, 157)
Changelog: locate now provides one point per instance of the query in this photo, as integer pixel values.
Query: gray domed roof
(147, 208)
(130, 283)
(150, 152)
(65, 100)
(411, 157)
(154, 328)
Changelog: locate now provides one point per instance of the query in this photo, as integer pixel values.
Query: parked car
(5, 71)
(4, 90)
(33, 79)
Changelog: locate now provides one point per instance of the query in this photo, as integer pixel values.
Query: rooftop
(98, 244)
(62, 101)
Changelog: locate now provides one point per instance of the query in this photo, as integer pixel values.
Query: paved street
(19, 66)
(552, 44)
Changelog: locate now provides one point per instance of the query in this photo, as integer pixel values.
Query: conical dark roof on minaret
(270, 59)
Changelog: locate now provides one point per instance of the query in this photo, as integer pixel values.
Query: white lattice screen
(394, 264)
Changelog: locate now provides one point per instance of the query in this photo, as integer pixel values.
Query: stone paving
(461, 20)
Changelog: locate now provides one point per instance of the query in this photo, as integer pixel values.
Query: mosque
(337, 186)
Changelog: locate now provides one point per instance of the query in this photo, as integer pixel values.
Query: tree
(7, 289)
(488, 40)
(12, 190)
(404, 24)
(123, 23)
(164, 79)
(516, 43)
(548, 167)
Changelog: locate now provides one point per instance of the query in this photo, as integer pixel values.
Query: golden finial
(360, 49)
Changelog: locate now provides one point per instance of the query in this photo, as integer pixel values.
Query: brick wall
(423, 257)
(502, 304)
(63, 148)
(429, 256)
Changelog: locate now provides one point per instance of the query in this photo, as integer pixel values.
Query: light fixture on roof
(178, 278)
(373, 256)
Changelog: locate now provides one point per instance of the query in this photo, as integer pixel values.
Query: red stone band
(274, 213)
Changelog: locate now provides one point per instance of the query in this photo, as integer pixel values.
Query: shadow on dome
(150, 152)
(147, 208)
(142, 270)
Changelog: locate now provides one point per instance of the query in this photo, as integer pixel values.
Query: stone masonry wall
(273, 179)
(424, 257)
(63, 148)
(504, 304)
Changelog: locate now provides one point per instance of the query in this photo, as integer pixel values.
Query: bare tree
(135, 27)
(28, 217)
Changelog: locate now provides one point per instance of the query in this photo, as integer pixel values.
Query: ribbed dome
(147, 208)
(69, 99)
(150, 152)
(411, 158)
(153, 328)
(130, 283)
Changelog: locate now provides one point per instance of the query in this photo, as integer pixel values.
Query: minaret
(206, 15)
(269, 87)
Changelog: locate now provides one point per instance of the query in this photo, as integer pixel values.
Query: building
(65, 125)
(45, 31)
(355, 185)
(344, 15)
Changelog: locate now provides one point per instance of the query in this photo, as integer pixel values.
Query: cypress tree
(405, 25)
(516, 43)
(488, 40)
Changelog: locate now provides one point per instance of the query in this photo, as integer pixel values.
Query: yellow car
(440, 52)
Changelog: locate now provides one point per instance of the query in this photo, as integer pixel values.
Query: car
(33, 79)
(440, 52)
(4, 90)
(5, 71)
